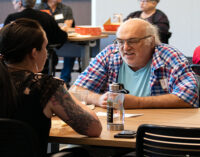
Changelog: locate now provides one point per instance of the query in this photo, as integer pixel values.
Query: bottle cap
(114, 87)
(118, 87)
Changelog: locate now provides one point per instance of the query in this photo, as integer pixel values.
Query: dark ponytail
(8, 95)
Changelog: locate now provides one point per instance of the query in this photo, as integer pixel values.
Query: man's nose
(126, 45)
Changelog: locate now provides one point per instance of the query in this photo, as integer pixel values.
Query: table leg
(85, 56)
(53, 147)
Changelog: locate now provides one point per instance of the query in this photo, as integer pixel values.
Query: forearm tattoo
(78, 118)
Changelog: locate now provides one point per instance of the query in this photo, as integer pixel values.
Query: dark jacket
(54, 34)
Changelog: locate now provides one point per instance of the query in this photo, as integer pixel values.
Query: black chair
(196, 68)
(17, 139)
(160, 141)
(189, 60)
(52, 59)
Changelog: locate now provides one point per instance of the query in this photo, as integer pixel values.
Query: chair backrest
(189, 60)
(17, 139)
(196, 68)
(155, 140)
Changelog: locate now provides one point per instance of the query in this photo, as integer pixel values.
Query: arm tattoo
(78, 118)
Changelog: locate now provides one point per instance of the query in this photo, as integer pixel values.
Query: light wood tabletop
(73, 36)
(109, 32)
(62, 133)
(77, 37)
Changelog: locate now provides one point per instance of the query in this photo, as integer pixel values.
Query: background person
(154, 16)
(35, 97)
(156, 74)
(62, 14)
(196, 56)
(54, 34)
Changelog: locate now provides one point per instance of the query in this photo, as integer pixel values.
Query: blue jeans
(67, 69)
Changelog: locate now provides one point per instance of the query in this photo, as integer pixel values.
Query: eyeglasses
(130, 42)
(15, 1)
(146, 1)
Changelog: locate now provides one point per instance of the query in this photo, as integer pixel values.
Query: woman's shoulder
(133, 15)
(45, 78)
(160, 13)
(35, 80)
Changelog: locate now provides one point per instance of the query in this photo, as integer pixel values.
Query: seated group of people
(156, 74)
(57, 13)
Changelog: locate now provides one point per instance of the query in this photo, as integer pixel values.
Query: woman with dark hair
(32, 97)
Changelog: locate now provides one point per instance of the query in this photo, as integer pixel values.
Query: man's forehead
(131, 30)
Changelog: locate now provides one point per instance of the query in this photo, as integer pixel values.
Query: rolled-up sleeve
(184, 85)
(95, 75)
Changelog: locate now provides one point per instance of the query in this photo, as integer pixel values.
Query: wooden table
(80, 46)
(61, 133)
(109, 32)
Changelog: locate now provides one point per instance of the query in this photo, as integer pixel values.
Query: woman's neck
(20, 66)
(147, 14)
(52, 5)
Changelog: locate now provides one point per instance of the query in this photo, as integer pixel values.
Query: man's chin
(130, 63)
(130, 58)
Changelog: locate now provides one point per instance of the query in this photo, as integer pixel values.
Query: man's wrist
(95, 99)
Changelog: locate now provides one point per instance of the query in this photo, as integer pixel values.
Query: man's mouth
(129, 53)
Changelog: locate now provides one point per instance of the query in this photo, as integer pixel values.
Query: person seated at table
(156, 74)
(63, 15)
(54, 34)
(33, 97)
(196, 56)
(154, 16)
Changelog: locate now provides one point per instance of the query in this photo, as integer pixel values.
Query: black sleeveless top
(34, 92)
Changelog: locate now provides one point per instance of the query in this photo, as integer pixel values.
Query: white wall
(184, 17)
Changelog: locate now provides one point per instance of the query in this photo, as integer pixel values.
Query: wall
(184, 17)
(6, 7)
(81, 11)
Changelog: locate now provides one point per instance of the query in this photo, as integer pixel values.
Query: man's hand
(103, 100)
(93, 98)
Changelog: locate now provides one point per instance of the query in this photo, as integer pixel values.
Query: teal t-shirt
(137, 82)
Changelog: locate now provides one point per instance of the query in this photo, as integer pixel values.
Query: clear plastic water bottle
(115, 108)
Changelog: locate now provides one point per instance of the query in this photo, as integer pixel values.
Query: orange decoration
(88, 30)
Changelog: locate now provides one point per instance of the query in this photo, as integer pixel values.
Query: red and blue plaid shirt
(168, 64)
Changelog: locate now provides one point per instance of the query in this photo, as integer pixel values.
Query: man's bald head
(139, 28)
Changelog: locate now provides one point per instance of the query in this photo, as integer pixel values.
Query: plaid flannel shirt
(168, 64)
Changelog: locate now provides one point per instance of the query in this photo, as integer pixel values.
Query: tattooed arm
(74, 113)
